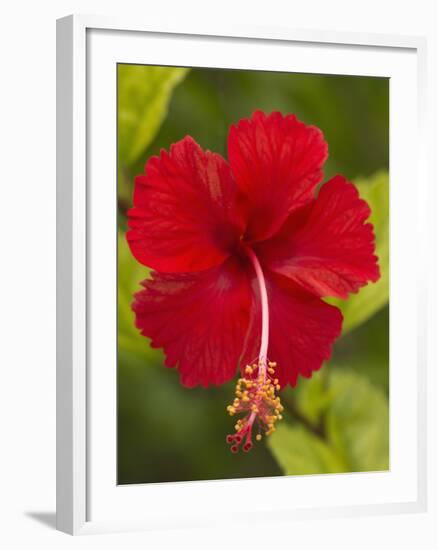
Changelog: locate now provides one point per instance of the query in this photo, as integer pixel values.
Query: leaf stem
(316, 429)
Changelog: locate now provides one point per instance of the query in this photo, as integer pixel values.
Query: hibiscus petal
(199, 319)
(302, 329)
(276, 161)
(327, 247)
(186, 215)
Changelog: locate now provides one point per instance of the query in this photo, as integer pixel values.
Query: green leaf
(311, 396)
(130, 274)
(358, 308)
(355, 419)
(357, 422)
(143, 98)
(299, 452)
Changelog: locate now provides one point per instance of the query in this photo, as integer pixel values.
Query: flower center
(255, 391)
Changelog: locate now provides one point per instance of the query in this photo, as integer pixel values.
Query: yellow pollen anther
(256, 399)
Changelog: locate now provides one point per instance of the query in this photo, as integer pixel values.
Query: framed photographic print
(235, 267)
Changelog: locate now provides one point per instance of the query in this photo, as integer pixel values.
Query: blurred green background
(338, 421)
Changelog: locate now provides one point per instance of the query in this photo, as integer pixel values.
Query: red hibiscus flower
(242, 253)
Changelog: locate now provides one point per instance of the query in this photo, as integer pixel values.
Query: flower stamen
(255, 391)
(255, 396)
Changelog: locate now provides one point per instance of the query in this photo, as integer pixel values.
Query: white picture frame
(87, 48)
